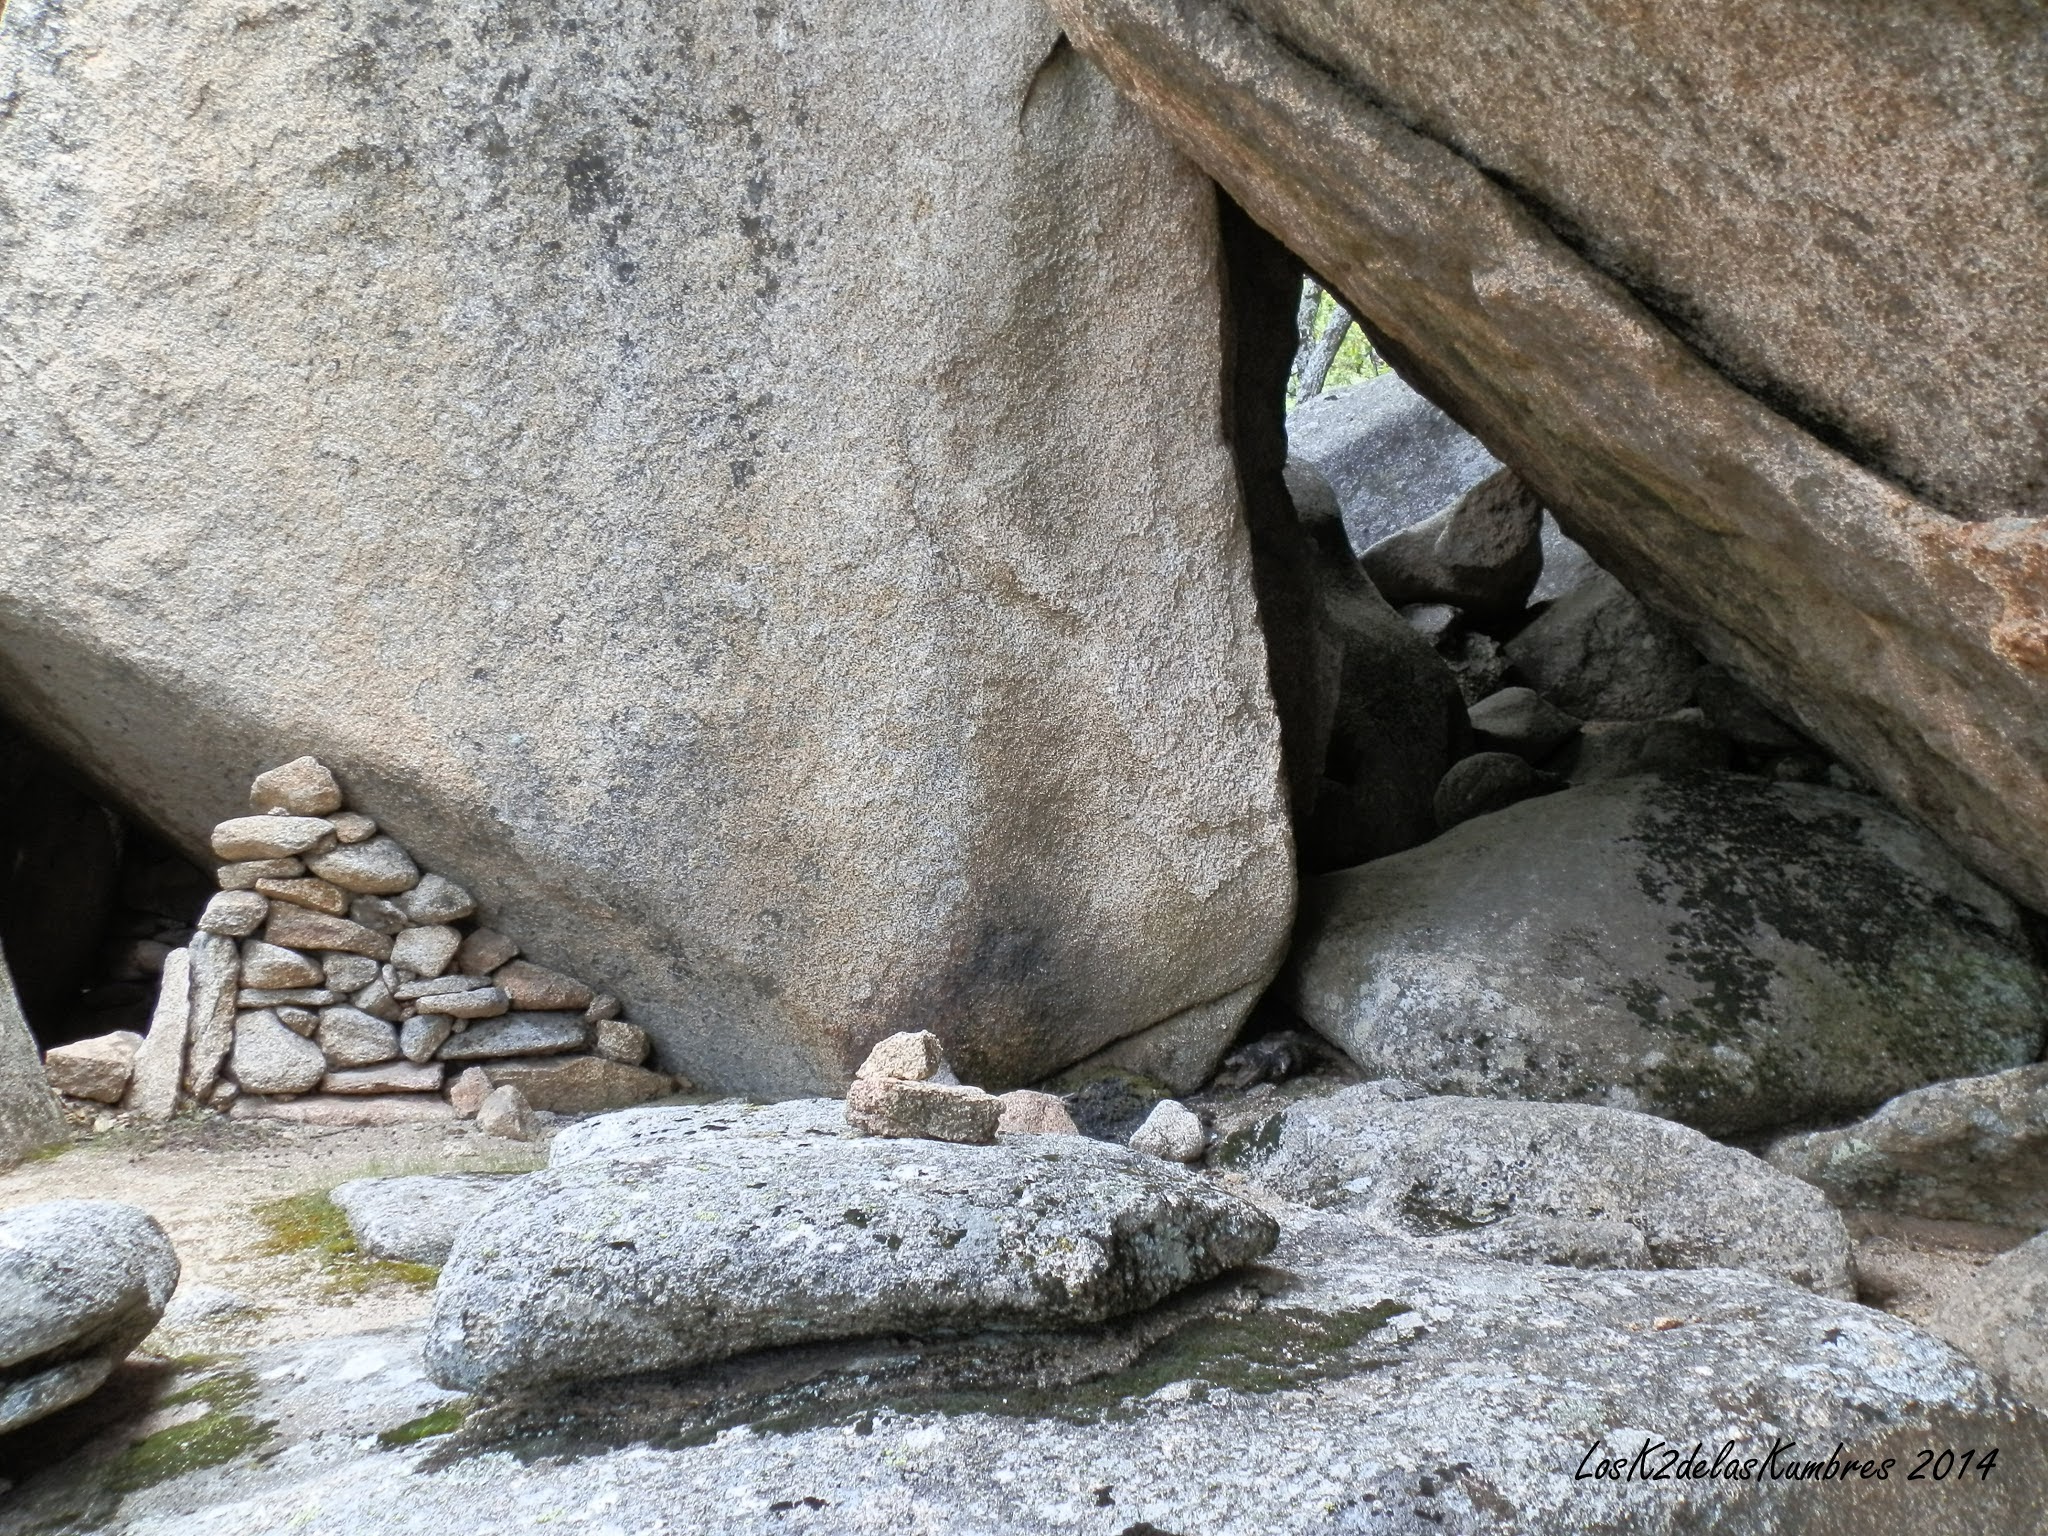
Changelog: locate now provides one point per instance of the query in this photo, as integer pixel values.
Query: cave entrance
(90, 902)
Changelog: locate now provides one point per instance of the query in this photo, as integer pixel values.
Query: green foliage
(314, 1226)
(1356, 361)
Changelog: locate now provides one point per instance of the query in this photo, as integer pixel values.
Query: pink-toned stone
(336, 1109)
(1027, 1112)
(887, 1106)
(484, 951)
(469, 1090)
(535, 987)
(302, 787)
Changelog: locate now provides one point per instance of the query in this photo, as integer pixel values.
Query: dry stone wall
(334, 981)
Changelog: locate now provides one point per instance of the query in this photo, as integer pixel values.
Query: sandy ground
(205, 1181)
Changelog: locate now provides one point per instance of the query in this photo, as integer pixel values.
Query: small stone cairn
(905, 1089)
(332, 981)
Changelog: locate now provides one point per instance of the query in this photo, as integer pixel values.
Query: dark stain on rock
(1237, 1333)
(510, 85)
(594, 184)
(598, 192)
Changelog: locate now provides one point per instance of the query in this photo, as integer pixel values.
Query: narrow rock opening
(1439, 647)
(90, 900)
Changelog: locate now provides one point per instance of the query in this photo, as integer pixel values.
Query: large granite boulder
(81, 1283)
(1973, 1149)
(1749, 296)
(30, 1118)
(1573, 1184)
(687, 477)
(1720, 950)
(2000, 1319)
(613, 1265)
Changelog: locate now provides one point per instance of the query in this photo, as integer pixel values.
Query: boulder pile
(334, 981)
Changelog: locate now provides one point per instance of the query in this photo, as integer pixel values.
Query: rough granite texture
(1570, 1184)
(1973, 1149)
(769, 640)
(624, 1264)
(81, 1283)
(1748, 294)
(1732, 953)
(633, 1132)
(416, 1217)
(2000, 1319)
(1347, 1392)
(30, 1118)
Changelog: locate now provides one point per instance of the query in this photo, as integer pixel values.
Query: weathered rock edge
(1913, 644)
(1575, 1184)
(1334, 1388)
(630, 1264)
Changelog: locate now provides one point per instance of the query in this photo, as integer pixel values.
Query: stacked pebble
(333, 981)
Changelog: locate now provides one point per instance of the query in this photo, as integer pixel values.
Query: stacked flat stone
(906, 1089)
(334, 981)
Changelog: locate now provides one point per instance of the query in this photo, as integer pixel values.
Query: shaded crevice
(90, 902)
(1262, 286)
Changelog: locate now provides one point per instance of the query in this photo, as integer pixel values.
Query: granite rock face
(1342, 1388)
(30, 1118)
(417, 1217)
(1680, 270)
(996, 624)
(81, 1283)
(1973, 1149)
(652, 1262)
(637, 1132)
(1571, 1184)
(1723, 951)
(2000, 1319)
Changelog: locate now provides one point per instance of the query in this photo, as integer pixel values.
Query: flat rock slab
(2000, 1319)
(416, 1218)
(518, 1034)
(1350, 1392)
(619, 1265)
(631, 1132)
(347, 1109)
(1568, 1184)
(81, 1283)
(1728, 952)
(1973, 1149)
